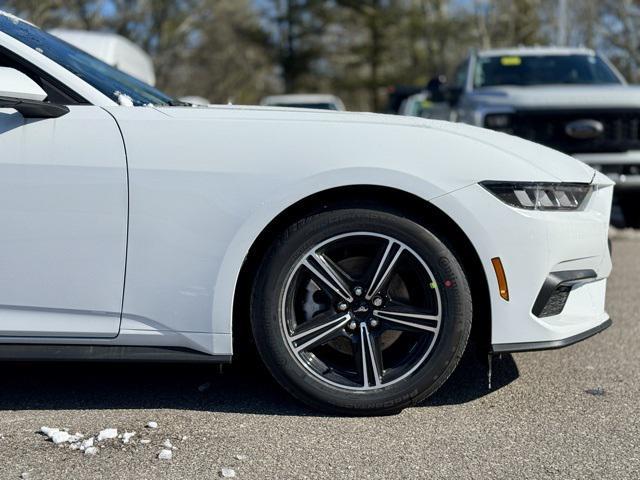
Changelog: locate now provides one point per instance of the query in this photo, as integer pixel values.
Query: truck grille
(621, 130)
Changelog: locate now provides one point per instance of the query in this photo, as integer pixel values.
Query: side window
(56, 93)
(460, 76)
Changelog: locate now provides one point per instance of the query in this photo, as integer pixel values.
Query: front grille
(556, 302)
(555, 291)
(621, 130)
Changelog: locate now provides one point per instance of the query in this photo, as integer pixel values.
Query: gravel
(568, 413)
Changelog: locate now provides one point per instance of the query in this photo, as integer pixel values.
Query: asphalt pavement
(569, 413)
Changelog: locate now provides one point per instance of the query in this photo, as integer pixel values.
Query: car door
(63, 224)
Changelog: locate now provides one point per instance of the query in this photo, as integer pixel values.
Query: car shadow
(470, 379)
(236, 389)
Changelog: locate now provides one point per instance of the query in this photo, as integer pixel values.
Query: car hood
(552, 162)
(561, 166)
(560, 96)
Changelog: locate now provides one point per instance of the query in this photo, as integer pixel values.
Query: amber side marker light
(502, 278)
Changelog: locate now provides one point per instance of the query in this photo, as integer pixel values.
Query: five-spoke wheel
(360, 311)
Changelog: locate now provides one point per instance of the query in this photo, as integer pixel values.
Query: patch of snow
(165, 454)
(91, 451)
(227, 473)
(152, 425)
(145, 441)
(88, 443)
(60, 437)
(167, 444)
(25, 475)
(241, 457)
(126, 436)
(107, 434)
(124, 100)
(56, 435)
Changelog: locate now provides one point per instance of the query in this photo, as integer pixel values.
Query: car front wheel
(360, 311)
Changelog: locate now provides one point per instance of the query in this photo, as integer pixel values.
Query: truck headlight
(541, 195)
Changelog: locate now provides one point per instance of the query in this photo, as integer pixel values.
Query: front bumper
(532, 245)
(551, 344)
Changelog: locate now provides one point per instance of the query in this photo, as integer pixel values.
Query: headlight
(541, 196)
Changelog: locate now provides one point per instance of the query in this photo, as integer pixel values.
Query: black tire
(442, 357)
(630, 205)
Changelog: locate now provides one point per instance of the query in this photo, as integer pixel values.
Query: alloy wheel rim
(361, 311)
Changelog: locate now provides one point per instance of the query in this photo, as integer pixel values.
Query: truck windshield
(115, 84)
(530, 70)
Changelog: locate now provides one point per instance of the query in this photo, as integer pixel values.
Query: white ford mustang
(359, 248)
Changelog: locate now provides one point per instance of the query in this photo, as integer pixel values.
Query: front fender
(246, 235)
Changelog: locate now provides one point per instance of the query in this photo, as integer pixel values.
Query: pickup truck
(570, 99)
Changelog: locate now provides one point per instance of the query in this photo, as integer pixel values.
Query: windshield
(543, 70)
(117, 85)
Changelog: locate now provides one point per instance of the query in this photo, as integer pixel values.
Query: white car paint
(15, 83)
(63, 208)
(184, 192)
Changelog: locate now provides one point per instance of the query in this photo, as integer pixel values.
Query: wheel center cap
(361, 309)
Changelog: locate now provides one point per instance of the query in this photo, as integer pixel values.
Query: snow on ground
(88, 444)
(59, 436)
(107, 434)
(165, 454)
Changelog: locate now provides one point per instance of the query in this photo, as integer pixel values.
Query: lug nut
(374, 323)
(377, 302)
(342, 306)
(352, 325)
(358, 291)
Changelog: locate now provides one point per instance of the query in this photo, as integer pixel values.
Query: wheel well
(367, 196)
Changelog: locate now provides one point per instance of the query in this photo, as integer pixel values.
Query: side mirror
(19, 92)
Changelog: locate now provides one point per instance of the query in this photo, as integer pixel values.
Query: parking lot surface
(569, 413)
